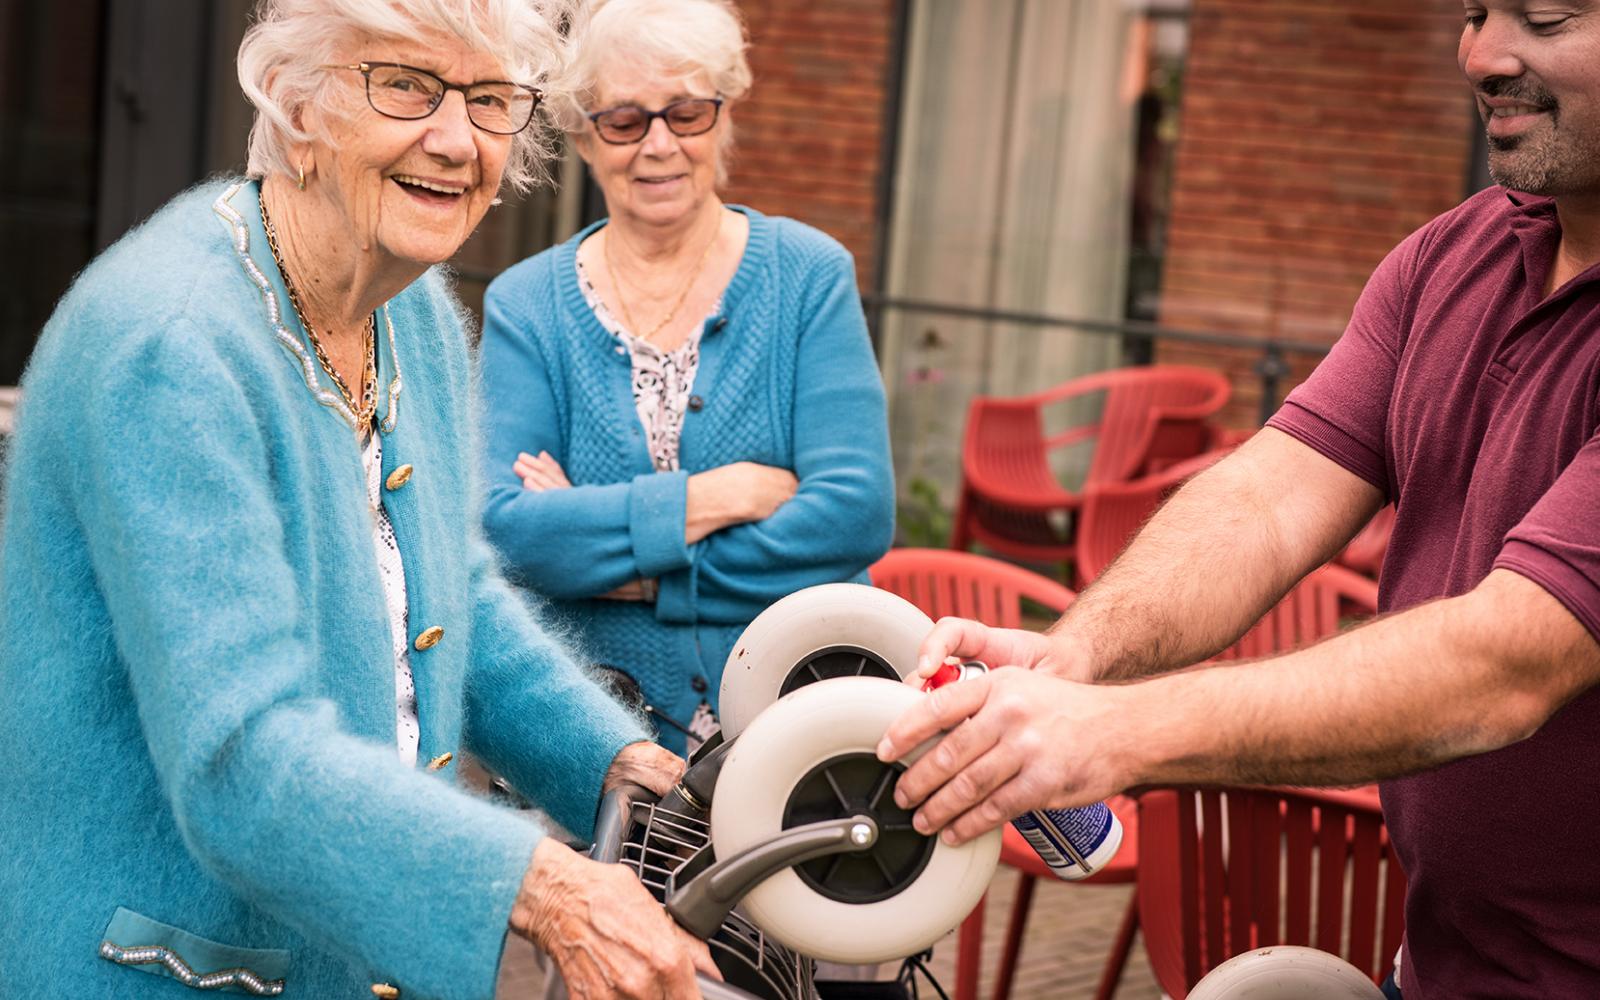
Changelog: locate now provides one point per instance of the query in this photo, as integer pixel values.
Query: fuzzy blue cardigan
(786, 378)
(197, 695)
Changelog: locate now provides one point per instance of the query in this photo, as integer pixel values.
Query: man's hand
(999, 647)
(540, 472)
(1016, 740)
(606, 933)
(644, 764)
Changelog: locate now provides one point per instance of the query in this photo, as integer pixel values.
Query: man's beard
(1520, 165)
(1544, 161)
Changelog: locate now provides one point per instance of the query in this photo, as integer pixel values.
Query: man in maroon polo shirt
(1467, 391)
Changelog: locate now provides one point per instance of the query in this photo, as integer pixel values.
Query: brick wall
(810, 133)
(1313, 139)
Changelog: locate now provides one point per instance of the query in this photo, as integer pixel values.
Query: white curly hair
(673, 39)
(283, 52)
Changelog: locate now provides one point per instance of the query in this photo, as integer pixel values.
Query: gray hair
(678, 39)
(282, 55)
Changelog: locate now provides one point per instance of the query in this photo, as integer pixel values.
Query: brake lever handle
(704, 901)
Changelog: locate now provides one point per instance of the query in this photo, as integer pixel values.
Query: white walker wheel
(833, 630)
(810, 757)
(1286, 972)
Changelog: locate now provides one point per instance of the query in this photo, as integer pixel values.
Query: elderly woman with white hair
(250, 620)
(685, 420)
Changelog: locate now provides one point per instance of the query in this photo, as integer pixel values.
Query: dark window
(50, 111)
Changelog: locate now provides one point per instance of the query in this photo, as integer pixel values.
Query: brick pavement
(1068, 935)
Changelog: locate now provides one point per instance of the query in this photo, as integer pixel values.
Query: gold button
(398, 478)
(386, 991)
(429, 638)
(438, 763)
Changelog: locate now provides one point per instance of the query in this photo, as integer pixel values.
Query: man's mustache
(1518, 89)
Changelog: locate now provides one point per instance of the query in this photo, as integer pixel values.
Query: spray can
(1074, 843)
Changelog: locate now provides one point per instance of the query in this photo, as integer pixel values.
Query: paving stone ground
(1069, 933)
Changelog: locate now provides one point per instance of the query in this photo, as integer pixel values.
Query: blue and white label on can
(1075, 843)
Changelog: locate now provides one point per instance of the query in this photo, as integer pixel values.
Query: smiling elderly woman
(249, 616)
(685, 422)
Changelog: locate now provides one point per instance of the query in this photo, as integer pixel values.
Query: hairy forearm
(1214, 559)
(1406, 692)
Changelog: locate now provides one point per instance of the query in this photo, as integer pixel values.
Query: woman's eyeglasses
(409, 93)
(630, 123)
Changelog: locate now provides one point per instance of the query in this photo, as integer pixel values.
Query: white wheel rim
(1286, 972)
(802, 730)
(846, 617)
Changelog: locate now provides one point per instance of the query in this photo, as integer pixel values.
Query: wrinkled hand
(606, 933)
(644, 764)
(540, 472)
(965, 639)
(1017, 740)
(739, 493)
(765, 487)
(633, 590)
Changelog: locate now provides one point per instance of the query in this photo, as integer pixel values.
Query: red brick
(811, 130)
(1312, 139)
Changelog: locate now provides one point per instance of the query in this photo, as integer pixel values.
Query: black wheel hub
(836, 661)
(858, 784)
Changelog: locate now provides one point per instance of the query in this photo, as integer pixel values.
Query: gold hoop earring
(302, 184)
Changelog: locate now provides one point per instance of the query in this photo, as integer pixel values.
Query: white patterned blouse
(662, 383)
(393, 574)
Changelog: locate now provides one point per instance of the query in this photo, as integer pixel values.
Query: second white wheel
(832, 630)
(810, 757)
(1286, 972)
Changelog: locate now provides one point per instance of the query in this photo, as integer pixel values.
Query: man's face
(1534, 66)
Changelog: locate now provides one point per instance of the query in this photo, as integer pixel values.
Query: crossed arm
(1448, 679)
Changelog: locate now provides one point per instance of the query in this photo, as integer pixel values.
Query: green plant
(922, 520)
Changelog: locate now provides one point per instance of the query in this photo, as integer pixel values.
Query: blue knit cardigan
(197, 693)
(786, 378)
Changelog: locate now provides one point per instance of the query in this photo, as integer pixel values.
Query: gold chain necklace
(616, 286)
(369, 377)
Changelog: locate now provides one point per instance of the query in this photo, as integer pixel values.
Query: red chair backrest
(1317, 606)
(1155, 415)
(1113, 512)
(943, 582)
(1225, 871)
(1151, 414)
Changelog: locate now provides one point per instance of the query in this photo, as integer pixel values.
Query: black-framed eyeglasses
(622, 126)
(408, 93)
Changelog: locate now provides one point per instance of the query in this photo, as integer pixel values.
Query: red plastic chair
(1010, 498)
(1113, 512)
(1365, 552)
(942, 582)
(1209, 885)
(1225, 871)
(1317, 606)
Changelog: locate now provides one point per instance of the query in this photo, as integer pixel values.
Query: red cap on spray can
(952, 670)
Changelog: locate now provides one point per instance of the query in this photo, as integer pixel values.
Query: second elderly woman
(685, 418)
(250, 618)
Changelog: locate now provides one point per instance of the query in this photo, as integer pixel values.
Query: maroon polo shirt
(1473, 401)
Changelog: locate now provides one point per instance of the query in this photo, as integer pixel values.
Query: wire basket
(658, 842)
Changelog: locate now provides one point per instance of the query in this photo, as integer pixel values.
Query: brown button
(696, 403)
(386, 991)
(438, 763)
(398, 478)
(429, 638)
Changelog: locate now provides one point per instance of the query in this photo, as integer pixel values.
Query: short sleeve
(1557, 544)
(1342, 410)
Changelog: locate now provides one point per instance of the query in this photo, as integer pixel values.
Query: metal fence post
(1273, 369)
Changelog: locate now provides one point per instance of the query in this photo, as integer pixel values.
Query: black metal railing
(1271, 366)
